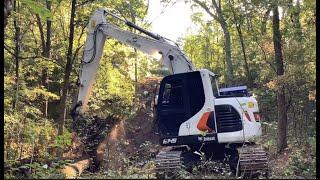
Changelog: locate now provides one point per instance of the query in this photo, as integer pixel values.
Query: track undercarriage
(246, 161)
(252, 160)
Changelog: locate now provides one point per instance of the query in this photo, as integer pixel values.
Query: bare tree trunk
(135, 100)
(227, 47)
(47, 54)
(207, 52)
(246, 66)
(46, 46)
(42, 38)
(17, 39)
(44, 82)
(281, 101)
(74, 170)
(8, 5)
(67, 71)
(48, 41)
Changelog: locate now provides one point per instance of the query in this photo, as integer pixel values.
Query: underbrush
(302, 161)
(31, 145)
(298, 160)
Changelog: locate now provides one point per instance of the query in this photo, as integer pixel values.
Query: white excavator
(193, 116)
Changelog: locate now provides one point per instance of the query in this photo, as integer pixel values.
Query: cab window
(214, 86)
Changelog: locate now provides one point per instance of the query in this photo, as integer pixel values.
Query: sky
(175, 22)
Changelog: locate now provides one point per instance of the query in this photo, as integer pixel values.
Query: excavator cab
(180, 97)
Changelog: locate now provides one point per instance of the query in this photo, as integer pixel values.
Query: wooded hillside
(269, 46)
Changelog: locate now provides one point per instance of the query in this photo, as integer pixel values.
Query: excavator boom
(99, 30)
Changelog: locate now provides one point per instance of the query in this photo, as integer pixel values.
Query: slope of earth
(133, 142)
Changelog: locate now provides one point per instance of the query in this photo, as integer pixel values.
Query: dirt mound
(127, 138)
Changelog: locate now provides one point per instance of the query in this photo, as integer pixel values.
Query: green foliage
(27, 136)
(37, 8)
(35, 133)
(63, 141)
(302, 163)
(37, 171)
(132, 171)
(40, 171)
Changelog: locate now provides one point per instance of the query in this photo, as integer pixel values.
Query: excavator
(195, 118)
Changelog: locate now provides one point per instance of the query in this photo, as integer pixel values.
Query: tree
(17, 40)
(281, 100)
(8, 5)
(217, 14)
(67, 71)
(237, 18)
(46, 47)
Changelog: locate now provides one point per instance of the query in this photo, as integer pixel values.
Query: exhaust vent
(228, 119)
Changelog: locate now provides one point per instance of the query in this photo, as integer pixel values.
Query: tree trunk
(238, 27)
(48, 41)
(74, 170)
(297, 32)
(40, 26)
(67, 72)
(47, 54)
(246, 66)
(133, 19)
(7, 10)
(17, 39)
(207, 52)
(218, 16)
(227, 47)
(282, 111)
(295, 18)
(45, 46)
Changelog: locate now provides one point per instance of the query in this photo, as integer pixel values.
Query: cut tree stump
(74, 170)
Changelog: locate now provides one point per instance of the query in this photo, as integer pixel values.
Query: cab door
(171, 108)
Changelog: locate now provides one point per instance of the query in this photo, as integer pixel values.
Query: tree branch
(79, 47)
(41, 33)
(146, 11)
(205, 7)
(83, 3)
(7, 48)
(214, 3)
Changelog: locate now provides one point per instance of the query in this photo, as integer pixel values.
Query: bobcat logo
(206, 139)
(171, 141)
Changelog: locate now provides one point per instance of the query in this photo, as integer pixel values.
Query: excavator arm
(99, 30)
